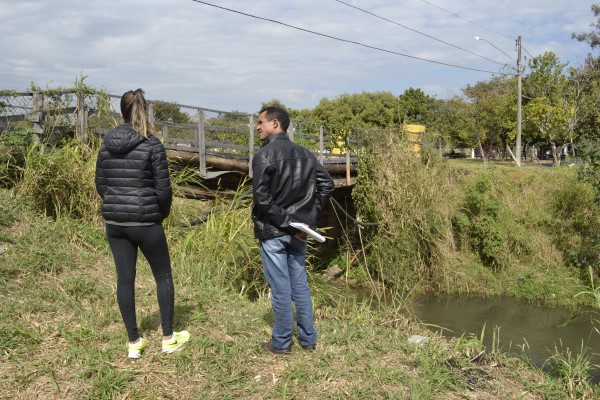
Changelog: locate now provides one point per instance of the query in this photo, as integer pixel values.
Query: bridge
(223, 149)
(220, 144)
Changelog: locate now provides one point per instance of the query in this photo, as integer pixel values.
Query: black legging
(124, 242)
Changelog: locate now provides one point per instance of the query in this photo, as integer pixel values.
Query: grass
(62, 335)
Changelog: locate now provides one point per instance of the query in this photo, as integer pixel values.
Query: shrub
(576, 223)
(404, 192)
(478, 221)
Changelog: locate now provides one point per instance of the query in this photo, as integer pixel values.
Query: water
(524, 327)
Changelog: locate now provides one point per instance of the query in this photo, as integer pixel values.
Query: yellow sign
(415, 137)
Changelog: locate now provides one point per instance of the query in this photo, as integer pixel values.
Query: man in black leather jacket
(289, 185)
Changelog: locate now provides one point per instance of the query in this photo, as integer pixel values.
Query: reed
(404, 193)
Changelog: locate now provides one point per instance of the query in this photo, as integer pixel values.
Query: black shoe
(268, 346)
(309, 347)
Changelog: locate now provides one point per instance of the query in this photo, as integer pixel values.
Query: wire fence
(205, 135)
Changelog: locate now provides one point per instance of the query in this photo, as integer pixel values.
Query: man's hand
(301, 235)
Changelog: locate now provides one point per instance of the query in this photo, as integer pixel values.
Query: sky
(195, 54)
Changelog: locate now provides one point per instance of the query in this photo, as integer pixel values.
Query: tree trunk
(483, 155)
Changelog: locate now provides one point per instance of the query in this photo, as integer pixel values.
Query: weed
(573, 370)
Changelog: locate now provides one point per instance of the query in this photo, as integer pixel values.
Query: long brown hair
(133, 109)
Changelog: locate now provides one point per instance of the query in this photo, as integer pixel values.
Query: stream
(535, 330)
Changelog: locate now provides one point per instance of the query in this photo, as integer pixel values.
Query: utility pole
(519, 74)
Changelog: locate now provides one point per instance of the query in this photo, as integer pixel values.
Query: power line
(527, 51)
(416, 31)
(475, 23)
(468, 20)
(345, 40)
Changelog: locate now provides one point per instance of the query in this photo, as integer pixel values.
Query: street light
(519, 75)
(493, 45)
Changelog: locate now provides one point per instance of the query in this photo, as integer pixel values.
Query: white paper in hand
(315, 235)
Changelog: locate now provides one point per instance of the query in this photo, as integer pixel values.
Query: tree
(494, 104)
(274, 103)
(451, 120)
(589, 77)
(364, 110)
(593, 37)
(170, 112)
(415, 106)
(554, 101)
(588, 127)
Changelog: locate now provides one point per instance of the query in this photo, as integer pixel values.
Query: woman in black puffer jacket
(132, 177)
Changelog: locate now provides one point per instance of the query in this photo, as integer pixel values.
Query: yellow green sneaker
(136, 349)
(177, 340)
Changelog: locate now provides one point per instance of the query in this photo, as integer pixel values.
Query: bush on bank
(464, 227)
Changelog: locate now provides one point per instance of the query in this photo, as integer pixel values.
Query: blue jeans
(283, 260)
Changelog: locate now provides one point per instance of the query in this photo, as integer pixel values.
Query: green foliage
(7, 212)
(415, 106)
(593, 37)
(587, 76)
(494, 110)
(60, 181)
(103, 116)
(589, 170)
(274, 103)
(170, 112)
(107, 382)
(452, 122)
(573, 371)
(478, 221)
(13, 144)
(576, 207)
(225, 241)
(20, 136)
(555, 101)
(364, 110)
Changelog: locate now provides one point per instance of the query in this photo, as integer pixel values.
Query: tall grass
(404, 193)
(59, 181)
(220, 249)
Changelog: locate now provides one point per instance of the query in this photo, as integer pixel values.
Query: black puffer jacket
(132, 177)
(289, 185)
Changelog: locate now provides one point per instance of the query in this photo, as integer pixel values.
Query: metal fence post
(251, 146)
(201, 143)
(151, 114)
(81, 113)
(37, 115)
(290, 131)
(321, 144)
(347, 160)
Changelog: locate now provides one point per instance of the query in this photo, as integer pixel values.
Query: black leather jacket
(289, 185)
(132, 177)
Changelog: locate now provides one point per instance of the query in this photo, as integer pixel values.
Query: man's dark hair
(279, 114)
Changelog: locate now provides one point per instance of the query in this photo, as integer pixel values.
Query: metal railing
(204, 132)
